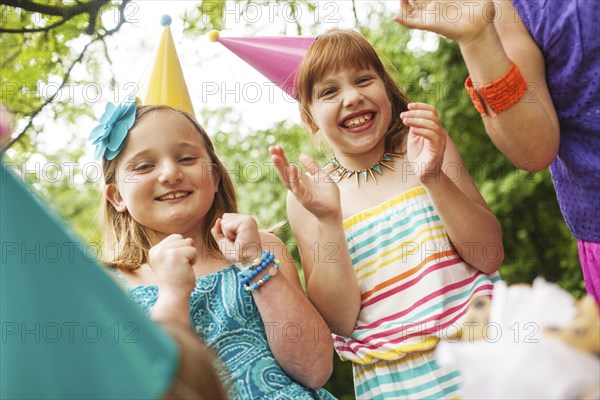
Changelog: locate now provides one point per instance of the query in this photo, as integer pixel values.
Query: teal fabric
(227, 318)
(68, 330)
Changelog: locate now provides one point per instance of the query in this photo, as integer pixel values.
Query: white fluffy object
(516, 359)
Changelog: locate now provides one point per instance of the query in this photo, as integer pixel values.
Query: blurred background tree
(37, 45)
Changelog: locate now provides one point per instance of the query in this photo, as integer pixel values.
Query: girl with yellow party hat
(186, 255)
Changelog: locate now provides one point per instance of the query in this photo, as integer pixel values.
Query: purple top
(568, 34)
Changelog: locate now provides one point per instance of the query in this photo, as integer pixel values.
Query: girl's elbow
(494, 267)
(318, 381)
(320, 373)
(346, 326)
(340, 321)
(343, 330)
(500, 259)
(494, 254)
(493, 261)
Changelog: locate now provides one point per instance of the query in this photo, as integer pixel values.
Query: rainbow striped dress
(415, 290)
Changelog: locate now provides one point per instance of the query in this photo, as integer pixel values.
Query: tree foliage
(42, 44)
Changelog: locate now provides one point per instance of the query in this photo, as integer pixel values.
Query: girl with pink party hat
(408, 247)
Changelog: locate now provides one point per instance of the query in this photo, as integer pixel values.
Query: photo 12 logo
(253, 12)
(27, 332)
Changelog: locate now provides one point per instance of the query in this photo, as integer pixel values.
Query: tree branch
(67, 74)
(48, 100)
(7, 60)
(67, 12)
(56, 10)
(355, 13)
(34, 30)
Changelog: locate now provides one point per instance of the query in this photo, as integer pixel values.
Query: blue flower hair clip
(110, 134)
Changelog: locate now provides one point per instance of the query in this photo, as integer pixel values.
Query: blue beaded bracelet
(250, 272)
(257, 285)
(245, 271)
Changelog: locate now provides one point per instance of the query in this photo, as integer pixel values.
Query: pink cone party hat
(277, 58)
(167, 83)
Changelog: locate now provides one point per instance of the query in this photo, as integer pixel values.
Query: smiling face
(166, 179)
(352, 109)
(368, 91)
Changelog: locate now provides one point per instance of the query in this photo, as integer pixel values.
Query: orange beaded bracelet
(499, 95)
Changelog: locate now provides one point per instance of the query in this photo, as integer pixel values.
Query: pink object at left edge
(6, 121)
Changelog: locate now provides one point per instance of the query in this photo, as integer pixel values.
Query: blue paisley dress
(227, 319)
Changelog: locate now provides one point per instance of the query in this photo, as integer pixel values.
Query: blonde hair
(336, 50)
(126, 242)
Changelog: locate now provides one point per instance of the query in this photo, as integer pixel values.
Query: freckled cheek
(326, 116)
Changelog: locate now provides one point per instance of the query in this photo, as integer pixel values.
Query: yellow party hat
(167, 84)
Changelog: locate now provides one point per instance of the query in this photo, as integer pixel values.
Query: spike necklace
(338, 172)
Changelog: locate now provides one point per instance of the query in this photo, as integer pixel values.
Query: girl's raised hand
(171, 261)
(426, 140)
(462, 21)
(316, 191)
(238, 237)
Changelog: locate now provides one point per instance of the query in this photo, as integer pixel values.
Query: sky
(215, 77)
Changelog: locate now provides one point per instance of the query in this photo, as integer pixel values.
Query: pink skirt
(589, 257)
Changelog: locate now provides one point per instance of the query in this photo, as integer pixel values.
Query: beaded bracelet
(499, 95)
(257, 266)
(257, 285)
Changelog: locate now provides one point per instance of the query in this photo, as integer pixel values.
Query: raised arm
(315, 216)
(472, 227)
(171, 261)
(298, 336)
(490, 34)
